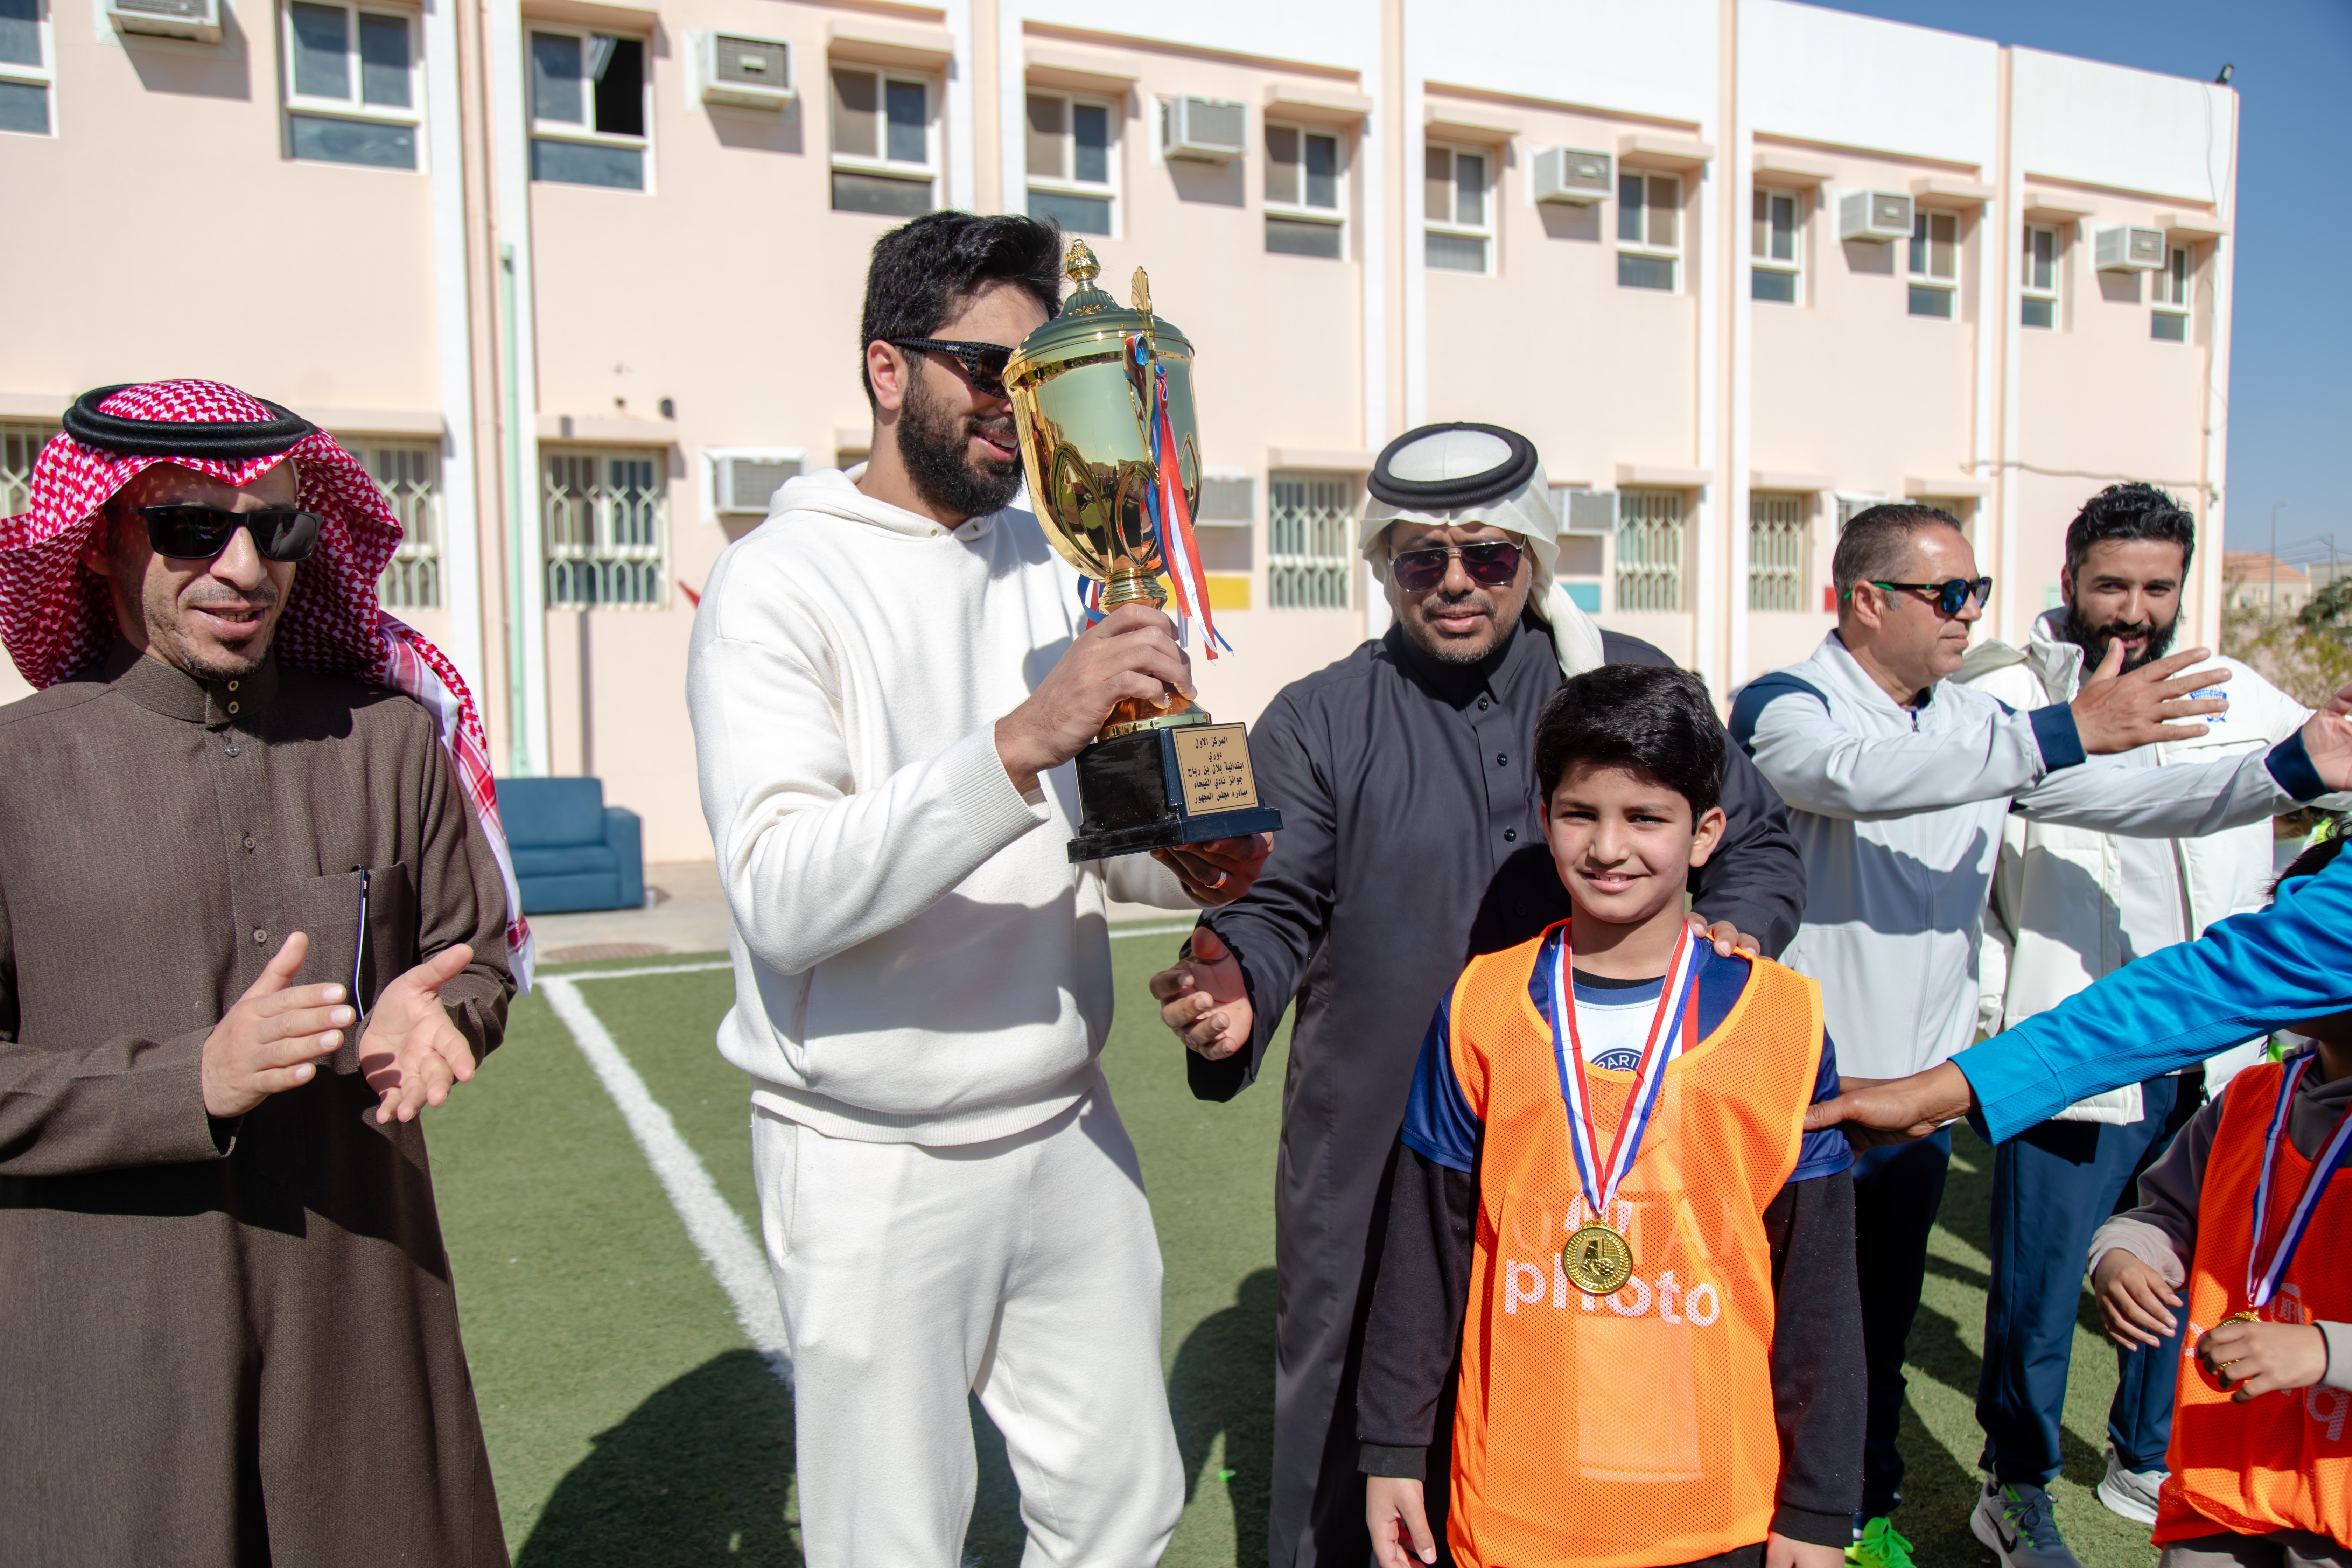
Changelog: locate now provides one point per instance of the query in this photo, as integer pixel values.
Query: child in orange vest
(1605, 1204)
(2249, 1211)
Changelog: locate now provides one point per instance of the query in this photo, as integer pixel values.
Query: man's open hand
(271, 1039)
(1203, 1000)
(412, 1053)
(1218, 871)
(2327, 737)
(1130, 653)
(1893, 1110)
(2115, 712)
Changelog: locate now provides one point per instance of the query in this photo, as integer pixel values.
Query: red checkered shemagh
(57, 617)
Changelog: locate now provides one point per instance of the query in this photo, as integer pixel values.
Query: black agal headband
(183, 438)
(1512, 469)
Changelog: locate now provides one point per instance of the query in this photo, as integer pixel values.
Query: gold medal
(1597, 1261)
(2239, 1318)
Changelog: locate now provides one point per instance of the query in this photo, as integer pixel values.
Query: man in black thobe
(1411, 839)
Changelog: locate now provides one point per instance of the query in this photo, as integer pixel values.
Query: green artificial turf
(630, 1423)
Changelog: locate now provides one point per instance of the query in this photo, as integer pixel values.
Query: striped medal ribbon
(1598, 1259)
(2261, 1280)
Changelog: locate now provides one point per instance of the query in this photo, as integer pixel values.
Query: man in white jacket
(2069, 906)
(1899, 783)
(887, 682)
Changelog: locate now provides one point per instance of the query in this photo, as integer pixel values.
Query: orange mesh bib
(1635, 1429)
(2284, 1460)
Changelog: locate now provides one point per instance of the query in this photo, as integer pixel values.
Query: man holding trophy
(889, 682)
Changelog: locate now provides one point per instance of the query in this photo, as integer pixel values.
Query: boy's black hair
(923, 271)
(1652, 720)
(2312, 860)
(2130, 511)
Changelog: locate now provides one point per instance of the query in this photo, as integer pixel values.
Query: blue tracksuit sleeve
(2175, 1007)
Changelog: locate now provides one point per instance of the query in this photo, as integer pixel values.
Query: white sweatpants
(1024, 1269)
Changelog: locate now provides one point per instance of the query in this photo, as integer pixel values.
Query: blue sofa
(572, 851)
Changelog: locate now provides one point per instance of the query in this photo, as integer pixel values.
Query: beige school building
(582, 281)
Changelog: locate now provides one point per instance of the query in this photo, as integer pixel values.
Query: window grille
(410, 478)
(19, 445)
(1650, 549)
(604, 518)
(1311, 536)
(1778, 534)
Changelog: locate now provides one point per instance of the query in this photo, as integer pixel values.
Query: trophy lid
(1091, 322)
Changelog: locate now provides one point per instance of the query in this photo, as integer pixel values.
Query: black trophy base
(1131, 793)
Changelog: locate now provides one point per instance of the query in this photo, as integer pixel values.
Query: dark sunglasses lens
(988, 370)
(187, 532)
(1955, 594)
(284, 535)
(1492, 564)
(1419, 571)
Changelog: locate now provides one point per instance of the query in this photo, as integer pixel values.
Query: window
(1779, 533)
(2169, 324)
(1649, 232)
(409, 476)
(1073, 161)
(1303, 211)
(24, 73)
(351, 88)
(605, 517)
(1310, 541)
(588, 110)
(1459, 212)
(1774, 246)
(1649, 550)
(19, 445)
(2039, 276)
(1934, 263)
(885, 153)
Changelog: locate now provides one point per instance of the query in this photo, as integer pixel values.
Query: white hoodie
(916, 959)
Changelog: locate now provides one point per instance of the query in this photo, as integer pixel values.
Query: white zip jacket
(1898, 813)
(2069, 906)
(916, 959)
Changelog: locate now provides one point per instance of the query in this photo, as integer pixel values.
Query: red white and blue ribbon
(1665, 1043)
(1172, 515)
(2262, 1279)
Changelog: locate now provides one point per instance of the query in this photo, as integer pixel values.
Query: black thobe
(1412, 838)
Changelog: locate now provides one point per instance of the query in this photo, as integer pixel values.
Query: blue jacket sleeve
(2246, 975)
(1439, 1124)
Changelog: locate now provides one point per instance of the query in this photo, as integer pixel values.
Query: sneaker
(1877, 1545)
(2131, 1493)
(2015, 1520)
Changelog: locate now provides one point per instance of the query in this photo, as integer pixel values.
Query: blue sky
(2291, 365)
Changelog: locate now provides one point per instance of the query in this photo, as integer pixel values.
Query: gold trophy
(1103, 399)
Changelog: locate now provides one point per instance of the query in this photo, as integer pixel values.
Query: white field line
(727, 1245)
(651, 969)
(1118, 931)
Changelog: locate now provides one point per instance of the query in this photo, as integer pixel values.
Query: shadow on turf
(1223, 1386)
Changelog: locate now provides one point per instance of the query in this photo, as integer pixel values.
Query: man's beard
(2093, 640)
(932, 443)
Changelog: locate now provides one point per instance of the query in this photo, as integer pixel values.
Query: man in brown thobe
(227, 1328)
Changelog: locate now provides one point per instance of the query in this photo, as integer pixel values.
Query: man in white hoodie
(2069, 906)
(887, 682)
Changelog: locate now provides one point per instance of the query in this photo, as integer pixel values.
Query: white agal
(744, 479)
(1206, 130)
(194, 20)
(1577, 178)
(744, 72)
(2130, 249)
(1878, 216)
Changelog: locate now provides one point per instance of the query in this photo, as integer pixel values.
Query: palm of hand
(1229, 1001)
(411, 1052)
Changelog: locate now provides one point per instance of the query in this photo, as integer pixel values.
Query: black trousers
(1896, 1193)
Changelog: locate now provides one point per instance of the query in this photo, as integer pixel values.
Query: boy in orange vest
(2250, 1212)
(1603, 1169)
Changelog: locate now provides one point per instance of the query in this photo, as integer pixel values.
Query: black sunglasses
(1490, 564)
(984, 362)
(183, 531)
(1950, 597)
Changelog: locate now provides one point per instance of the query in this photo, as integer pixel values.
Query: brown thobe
(226, 1341)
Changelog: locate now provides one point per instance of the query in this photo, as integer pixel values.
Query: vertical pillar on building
(453, 328)
(1738, 373)
(2221, 109)
(2009, 619)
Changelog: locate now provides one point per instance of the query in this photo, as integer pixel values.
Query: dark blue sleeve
(1757, 695)
(2054, 731)
(1438, 1124)
(1826, 1153)
(2290, 763)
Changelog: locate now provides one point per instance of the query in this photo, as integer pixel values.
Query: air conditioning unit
(1228, 498)
(1876, 216)
(748, 73)
(1580, 179)
(196, 19)
(744, 479)
(1206, 130)
(2129, 250)
(1589, 511)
